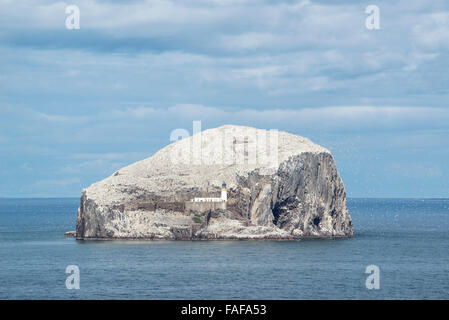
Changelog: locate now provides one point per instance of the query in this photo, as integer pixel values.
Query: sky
(78, 104)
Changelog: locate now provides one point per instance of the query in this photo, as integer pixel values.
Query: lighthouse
(224, 192)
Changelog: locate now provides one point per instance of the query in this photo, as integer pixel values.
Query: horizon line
(415, 198)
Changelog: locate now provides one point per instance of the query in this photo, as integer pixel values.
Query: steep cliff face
(300, 194)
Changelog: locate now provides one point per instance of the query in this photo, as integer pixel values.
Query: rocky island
(230, 182)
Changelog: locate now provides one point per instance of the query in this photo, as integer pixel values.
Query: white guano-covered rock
(280, 186)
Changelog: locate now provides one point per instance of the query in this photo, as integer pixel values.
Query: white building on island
(223, 198)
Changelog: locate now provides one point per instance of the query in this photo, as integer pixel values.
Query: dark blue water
(407, 238)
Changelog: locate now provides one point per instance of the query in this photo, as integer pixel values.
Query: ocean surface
(408, 239)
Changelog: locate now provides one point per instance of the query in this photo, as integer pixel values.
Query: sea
(400, 251)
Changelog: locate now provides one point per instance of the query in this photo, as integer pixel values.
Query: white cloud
(51, 118)
(432, 31)
(137, 70)
(339, 118)
(147, 123)
(99, 163)
(106, 156)
(351, 118)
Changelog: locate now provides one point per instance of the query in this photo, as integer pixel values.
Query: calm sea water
(407, 238)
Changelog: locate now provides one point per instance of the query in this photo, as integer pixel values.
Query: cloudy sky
(76, 105)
